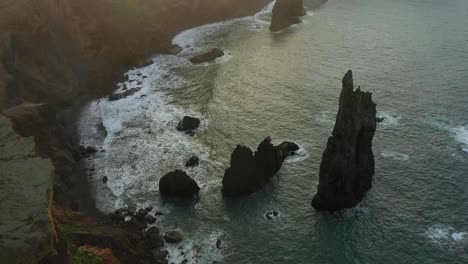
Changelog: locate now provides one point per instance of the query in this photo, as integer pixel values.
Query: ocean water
(411, 54)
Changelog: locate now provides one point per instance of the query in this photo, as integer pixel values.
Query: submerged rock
(348, 162)
(207, 56)
(188, 123)
(178, 184)
(248, 172)
(286, 13)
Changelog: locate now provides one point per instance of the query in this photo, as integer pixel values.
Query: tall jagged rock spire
(348, 162)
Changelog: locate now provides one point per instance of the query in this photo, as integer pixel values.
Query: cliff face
(348, 162)
(25, 185)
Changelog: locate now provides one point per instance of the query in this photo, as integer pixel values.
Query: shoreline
(53, 124)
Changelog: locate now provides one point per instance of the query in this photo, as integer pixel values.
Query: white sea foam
(394, 155)
(199, 248)
(391, 119)
(445, 235)
(325, 118)
(459, 133)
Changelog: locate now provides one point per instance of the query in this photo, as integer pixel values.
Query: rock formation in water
(348, 162)
(286, 13)
(188, 123)
(210, 55)
(178, 184)
(248, 172)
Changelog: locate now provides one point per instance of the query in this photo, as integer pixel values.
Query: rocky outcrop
(192, 161)
(27, 232)
(188, 123)
(178, 184)
(210, 55)
(248, 172)
(348, 162)
(173, 237)
(286, 13)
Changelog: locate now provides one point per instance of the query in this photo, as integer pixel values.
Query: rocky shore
(55, 57)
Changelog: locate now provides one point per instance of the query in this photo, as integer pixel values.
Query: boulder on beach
(286, 13)
(178, 184)
(249, 172)
(188, 123)
(347, 163)
(210, 55)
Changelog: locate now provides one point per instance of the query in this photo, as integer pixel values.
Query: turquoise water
(412, 55)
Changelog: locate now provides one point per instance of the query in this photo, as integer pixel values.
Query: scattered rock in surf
(105, 179)
(140, 83)
(288, 148)
(160, 254)
(347, 163)
(158, 214)
(207, 56)
(192, 162)
(150, 219)
(156, 240)
(188, 123)
(153, 231)
(218, 243)
(115, 97)
(286, 13)
(380, 119)
(139, 74)
(173, 237)
(271, 215)
(144, 77)
(248, 173)
(178, 184)
(174, 49)
(87, 151)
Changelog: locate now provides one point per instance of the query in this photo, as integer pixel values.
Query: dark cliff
(348, 162)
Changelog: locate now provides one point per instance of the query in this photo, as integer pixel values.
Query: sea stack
(286, 13)
(348, 162)
(249, 172)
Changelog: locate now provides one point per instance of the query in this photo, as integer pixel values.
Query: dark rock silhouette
(348, 162)
(286, 13)
(192, 162)
(207, 56)
(248, 172)
(188, 123)
(178, 184)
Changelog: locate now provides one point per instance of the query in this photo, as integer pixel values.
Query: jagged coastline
(55, 57)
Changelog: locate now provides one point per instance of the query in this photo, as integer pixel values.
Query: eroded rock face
(348, 162)
(27, 232)
(286, 13)
(178, 184)
(248, 172)
(207, 56)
